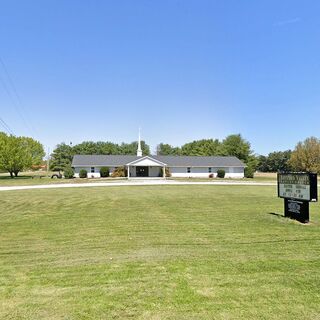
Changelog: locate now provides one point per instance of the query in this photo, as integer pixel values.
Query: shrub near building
(119, 172)
(83, 173)
(221, 173)
(104, 172)
(68, 172)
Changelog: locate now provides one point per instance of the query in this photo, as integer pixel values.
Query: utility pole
(48, 161)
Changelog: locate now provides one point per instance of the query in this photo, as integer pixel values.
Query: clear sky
(182, 70)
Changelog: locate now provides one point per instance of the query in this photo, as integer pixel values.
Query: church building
(140, 166)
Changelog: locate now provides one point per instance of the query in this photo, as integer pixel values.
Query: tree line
(62, 155)
(22, 153)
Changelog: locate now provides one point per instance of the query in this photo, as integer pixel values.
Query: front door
(142, 171)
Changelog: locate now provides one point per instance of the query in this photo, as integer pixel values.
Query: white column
(128, 173)
(164, 172)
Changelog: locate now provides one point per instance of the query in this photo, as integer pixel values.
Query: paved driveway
(137, 183)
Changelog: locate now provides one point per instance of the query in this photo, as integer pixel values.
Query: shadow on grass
(280, 215)
(15, 178)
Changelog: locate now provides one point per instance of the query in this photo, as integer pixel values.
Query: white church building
(156, 166)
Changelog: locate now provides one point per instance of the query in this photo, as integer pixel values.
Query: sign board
(297, 189)
(298, 186)
(298, 210)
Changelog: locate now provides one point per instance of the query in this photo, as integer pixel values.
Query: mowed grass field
(156, 252)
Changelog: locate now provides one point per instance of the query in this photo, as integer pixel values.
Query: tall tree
(100, 147)
(235, 145)
(275, 161)
(204, 147)
(306, 155)
(61, 157)
(19, 153)
(279, 161)
(165, 149)
(263, 164)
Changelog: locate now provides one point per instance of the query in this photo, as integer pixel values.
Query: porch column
(128, 171)
(164, 172)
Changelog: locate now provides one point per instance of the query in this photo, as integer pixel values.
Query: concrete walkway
(138, 183)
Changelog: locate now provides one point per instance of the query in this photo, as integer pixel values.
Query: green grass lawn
(31, 179)
(156, 252)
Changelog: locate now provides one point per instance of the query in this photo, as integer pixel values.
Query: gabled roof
(98, 160)
(147, 161)
(199, 161)
(170, 161)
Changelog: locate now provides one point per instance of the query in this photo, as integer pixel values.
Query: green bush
(221, 173)
(249, 172)
(83, 173)
(104, 172)
(68, 172)
(119, 172)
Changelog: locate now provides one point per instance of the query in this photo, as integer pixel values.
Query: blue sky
(182, 70)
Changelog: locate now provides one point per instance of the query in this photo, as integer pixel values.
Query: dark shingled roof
(171, 161)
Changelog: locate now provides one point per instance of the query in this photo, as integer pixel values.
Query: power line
(16, 102)
(6, 126)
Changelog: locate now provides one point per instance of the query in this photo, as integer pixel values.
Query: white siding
(178, 172)
(203, 172)
(95, 174)
(154, 171)
(132, 171)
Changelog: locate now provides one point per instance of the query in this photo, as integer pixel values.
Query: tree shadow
(15, 178)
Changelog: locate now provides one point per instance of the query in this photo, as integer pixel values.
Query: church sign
(297, 190)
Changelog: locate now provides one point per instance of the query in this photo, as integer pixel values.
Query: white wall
(95, 174)
(154, 171)
(203, 172)
(178, 172)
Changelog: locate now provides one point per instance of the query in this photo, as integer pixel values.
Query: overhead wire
(17, 100)
(6, 126)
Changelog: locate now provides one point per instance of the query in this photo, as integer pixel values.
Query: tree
(61, 157)
(275, 161)
(100, 147)
(279, 161)
(306, 156)
(235, 145)
(263, 164)
(204, 147)
(165, 149)
(131, 148)
(19, 153)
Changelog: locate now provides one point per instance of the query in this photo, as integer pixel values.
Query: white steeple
(139, 151)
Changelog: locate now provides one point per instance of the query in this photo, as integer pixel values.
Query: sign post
(297, 190)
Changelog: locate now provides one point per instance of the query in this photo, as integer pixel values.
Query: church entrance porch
(146, 167)
(142, 171)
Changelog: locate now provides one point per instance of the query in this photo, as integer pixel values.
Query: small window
(188, 169)
(210, 170)
(92, 170)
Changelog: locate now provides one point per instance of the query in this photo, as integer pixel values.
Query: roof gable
(147, 161)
